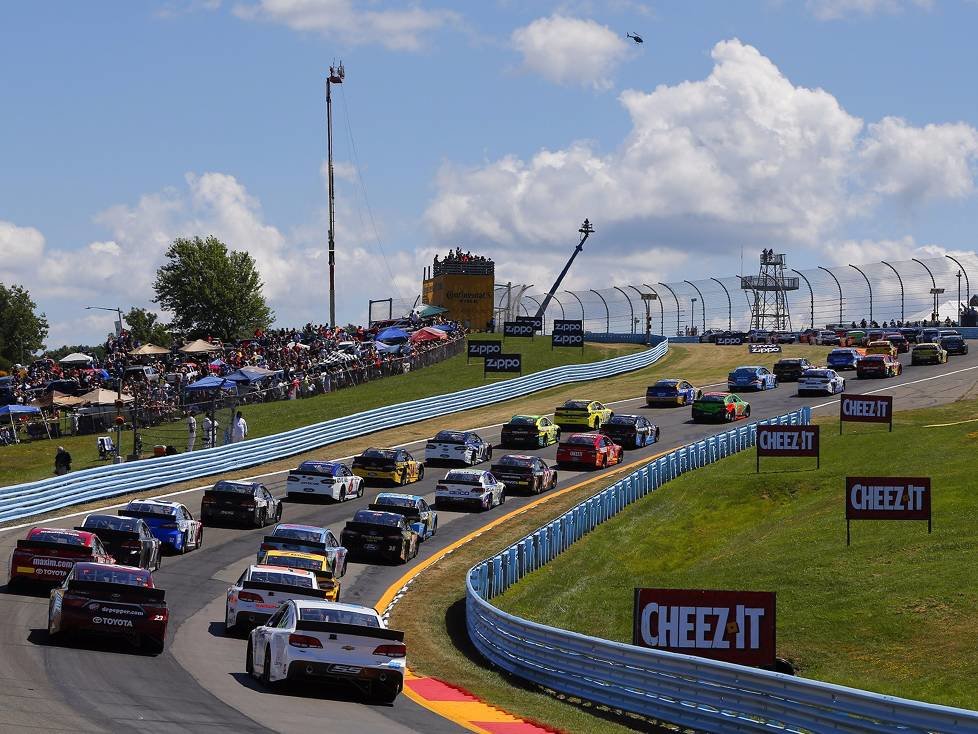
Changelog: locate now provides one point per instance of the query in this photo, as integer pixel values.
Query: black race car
(954, 344)
(790, 369)
(239, 502)
(520, 471)
(386, 535)
(630, 431)
(127, 539)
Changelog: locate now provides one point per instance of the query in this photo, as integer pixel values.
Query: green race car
(720, 406)
(529, 430)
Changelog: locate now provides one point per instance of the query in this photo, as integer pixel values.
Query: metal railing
(24, 500)
(681, 689)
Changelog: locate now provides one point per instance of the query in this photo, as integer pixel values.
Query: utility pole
(585, 230)
(336, 76)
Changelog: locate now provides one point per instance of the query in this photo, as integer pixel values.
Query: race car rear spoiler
(292, 541)
(410, 512)
(27, 543)
(285, 589)
(110, 533)
(127, 592)
(349, 629)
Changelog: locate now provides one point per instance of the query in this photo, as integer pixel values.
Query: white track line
(902, 384)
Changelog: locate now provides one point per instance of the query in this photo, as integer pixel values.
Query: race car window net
(580, 441)
(50, 536)
(463, 478)
(449, 437)
(516, 461)
(338, 616)
(522, 420)
(110, 522)
(284, 579)
(295, 534)
(576, 404)
(111, 575)
(232, 488)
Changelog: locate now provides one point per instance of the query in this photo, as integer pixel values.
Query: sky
(836, 131)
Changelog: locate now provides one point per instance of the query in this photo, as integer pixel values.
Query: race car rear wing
(311, 544)
(28, 544)
(409, 512)
(297, 591)
(110, 534)
(359, 630)
(125, 592)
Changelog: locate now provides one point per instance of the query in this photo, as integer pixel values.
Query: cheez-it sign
(775, 440)
(866, 409)
(888, 498)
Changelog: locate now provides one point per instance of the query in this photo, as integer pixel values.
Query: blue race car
(422, 519)
(751, 378)
(671, 392)
(631, 431)
(171, 522)
(843, 359)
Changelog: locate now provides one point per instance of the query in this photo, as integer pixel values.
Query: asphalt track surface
(198, 684)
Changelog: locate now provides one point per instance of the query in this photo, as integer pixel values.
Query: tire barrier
(681, 689)
(24, 500)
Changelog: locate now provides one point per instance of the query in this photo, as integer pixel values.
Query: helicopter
(635, 37)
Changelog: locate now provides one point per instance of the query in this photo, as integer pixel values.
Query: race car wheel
(434, 529)
(729, 416)
(384, 693)
(487, 504)
(230, 629)
(200, 538)
(682, 400)
(747, 412)
(553, 482)
(342, 494)
(502, 497)
(152, 645)
(261, 518)
(249, 660)
(183, 543)
(266, 669)
(53, 636)
(278, 513)
(360, 490)
(656, 433)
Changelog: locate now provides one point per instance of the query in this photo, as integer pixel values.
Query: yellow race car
(396, 466)
(529, 430)
(881, 347)
(588, 414)
(322, 566)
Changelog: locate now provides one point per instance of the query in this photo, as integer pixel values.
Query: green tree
(210, 290)
(145, 327)
(22, 329)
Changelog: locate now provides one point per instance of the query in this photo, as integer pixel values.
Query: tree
(22, 329)
(96, 350)
(145, 327)
(210, 290)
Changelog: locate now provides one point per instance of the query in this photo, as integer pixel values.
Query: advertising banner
(763, 348)
(774, 440)
(503, 363)
(566, 340)
(866, 409)
(483, 348)
(734, 626)
(516, 328)
(537, 321)
(729, 340)
(887, 498)
(568, 326)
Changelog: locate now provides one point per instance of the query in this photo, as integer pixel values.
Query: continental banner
(468, 298)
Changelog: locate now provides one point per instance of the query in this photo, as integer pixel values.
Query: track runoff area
(199, 683)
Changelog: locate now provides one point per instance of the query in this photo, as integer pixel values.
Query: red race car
(590, 449)
(48, 554)
(104, 599)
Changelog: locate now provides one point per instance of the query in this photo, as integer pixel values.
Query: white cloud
(571, 51)
(19, 245)
(400, 29)
(837, 9)
(740, 157)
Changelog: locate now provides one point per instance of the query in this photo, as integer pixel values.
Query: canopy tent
(76, 358)
(252, 374)
(429, 311)
(11, 410)
(57, 399)
(148, 349)
(393, 335)
(427, 334)
(444, 327)
(199, 346)
(211, 382)
(216, 365)
(388, 348)
(101, 396)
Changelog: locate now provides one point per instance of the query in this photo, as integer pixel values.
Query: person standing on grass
(191, 431)
(239, 430)
(62, 461)
(210, 431)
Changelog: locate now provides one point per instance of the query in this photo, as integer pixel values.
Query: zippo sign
(773, 440)
(888, 498)
(484, 348)
(566, 340)
(729, 340)
(504, 363)
(536, 321)
(568, 326)
(763, 348)
(734, 626)
(517, 328)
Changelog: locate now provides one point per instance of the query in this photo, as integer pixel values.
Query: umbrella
(149, 349)
(199, 346)
(428, 311)
(392, 334)
(77, 358)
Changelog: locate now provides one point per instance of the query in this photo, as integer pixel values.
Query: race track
(198, 684)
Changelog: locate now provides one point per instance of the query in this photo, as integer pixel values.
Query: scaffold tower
(769, 307)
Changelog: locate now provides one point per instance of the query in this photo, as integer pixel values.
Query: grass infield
(897, 612)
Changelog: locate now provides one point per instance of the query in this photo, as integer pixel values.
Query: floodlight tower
(336, 76)
(770, 288)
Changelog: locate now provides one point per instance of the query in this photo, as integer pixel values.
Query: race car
(49, 554)
(530, 431)
(720, 406)
(826, 338)
(954, 344)
(388, 535)
(239, 502)
(670, 392)
(751, 378)
(321, 565)
(910, 333)
(631, 431)
(588, 449)
(928, 353)
(260, 590)
(588, 414)
(465, 447)
(305, 539)
(127, 539)
(423, 520)
(818, 381)
(879, 365)
(843, 359)
(329, 479)
(929, 334)
(388, 465)
(171, 522)
(470, 487)
(854, 338)
(790, 369)
(330, 644)
(880, 346)
(898, 340)
(105, 599)
(520, 471)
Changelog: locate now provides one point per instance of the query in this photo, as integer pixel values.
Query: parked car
(141, 373)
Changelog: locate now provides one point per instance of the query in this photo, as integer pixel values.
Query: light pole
(118, 384)
(646, 297)
(959, 298)
(692, 310)
(336, 76)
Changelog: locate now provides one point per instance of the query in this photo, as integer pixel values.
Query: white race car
(329, 479)
(329, 642)
(470, 487)
(457, 447)
(821, 382)
(260, 590)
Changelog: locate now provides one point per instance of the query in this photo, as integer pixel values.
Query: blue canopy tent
(447, 328)
(11, 410)
(211, 382)
(393, 336)
(251, 374)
